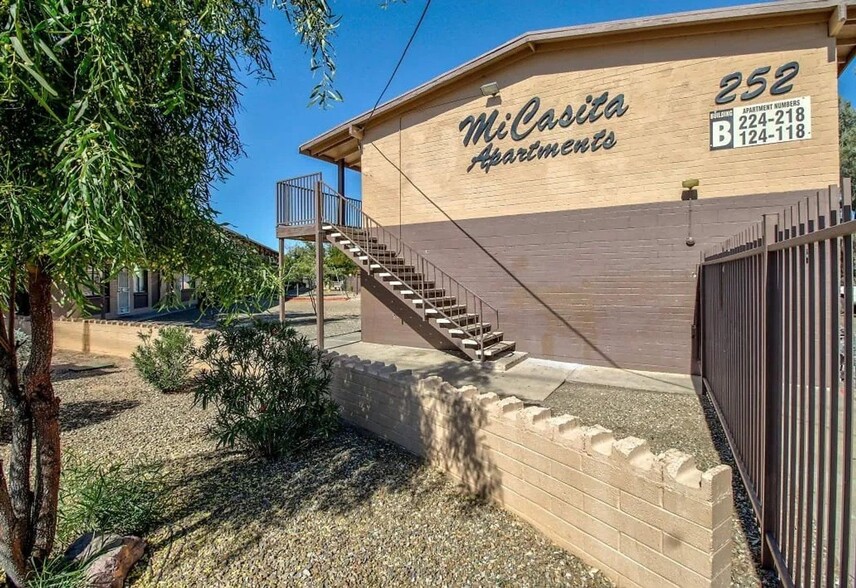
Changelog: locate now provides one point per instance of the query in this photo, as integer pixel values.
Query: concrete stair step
(500, 350)
(470, 331)
(459, 320)
(410, 284)
(487, 339)
(427, 293)
(439, 301)
(448, 310)
(504, 358)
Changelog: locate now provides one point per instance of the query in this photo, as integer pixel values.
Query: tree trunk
(28, 518)
(38, 389)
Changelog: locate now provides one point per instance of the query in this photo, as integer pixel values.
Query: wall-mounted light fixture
(689, 194)
(490, 89)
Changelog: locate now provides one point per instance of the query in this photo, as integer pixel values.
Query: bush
(164, 361)
(269, 387)
(108, 498)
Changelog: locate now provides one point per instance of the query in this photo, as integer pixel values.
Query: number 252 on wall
(787, 119)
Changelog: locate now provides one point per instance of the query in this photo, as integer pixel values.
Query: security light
(689, 194)
(490, 89)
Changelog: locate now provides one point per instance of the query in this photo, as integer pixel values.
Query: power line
(400, 60)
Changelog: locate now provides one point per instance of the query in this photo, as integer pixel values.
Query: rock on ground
(107, 558)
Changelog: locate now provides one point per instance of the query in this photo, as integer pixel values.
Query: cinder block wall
(106, 337)
(644, 519)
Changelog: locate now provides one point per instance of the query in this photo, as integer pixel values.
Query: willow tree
(115, 120)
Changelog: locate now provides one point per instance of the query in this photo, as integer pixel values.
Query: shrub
(108, 498)
(269, 387)
(164, 361)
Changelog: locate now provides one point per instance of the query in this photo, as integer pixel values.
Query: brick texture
(644, 519)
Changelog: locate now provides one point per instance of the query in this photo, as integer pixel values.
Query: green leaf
(51, 55)
(38, 77)
(19, 49)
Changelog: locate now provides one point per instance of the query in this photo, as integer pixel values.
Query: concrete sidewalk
(532, 380)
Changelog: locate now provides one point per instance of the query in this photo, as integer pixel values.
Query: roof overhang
(341, 144)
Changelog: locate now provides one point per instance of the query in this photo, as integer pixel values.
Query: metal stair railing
(346, 213)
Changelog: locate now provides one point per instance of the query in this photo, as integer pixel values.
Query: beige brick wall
(643, 519)
(669, 87)
(105, 337)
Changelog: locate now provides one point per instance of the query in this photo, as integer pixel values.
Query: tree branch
(13, 289)
(6, 342)
(8, 516)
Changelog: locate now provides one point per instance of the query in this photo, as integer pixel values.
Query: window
(141, 281)
(96, 283)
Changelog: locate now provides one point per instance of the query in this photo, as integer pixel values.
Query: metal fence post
(319, 263)
(771, 399)
(700, 331)
(282, 286)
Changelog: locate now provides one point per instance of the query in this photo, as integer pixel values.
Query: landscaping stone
(107, 557)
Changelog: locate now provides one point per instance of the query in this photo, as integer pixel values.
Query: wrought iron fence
(776, 352)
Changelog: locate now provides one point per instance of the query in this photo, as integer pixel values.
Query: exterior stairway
(307, 207)
(457, 315)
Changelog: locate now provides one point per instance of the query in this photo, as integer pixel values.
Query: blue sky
(275, 119)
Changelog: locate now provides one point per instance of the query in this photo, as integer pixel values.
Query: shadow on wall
(451, 429)
(429, 417)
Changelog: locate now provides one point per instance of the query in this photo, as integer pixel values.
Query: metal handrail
(347, 210)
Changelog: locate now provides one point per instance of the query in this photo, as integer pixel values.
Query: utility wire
(380, 97)
(400, 60)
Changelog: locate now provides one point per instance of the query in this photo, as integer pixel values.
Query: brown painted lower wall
(607, 286)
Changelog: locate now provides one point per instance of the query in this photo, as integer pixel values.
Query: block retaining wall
(643, 519)
(107, 337)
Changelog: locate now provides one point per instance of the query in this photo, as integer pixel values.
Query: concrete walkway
(632, 379)
(532, 380)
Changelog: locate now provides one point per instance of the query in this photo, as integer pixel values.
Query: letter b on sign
(721, 130)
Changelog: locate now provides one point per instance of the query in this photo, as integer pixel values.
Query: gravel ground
(680, 421)
(341, 316)
(357, 511)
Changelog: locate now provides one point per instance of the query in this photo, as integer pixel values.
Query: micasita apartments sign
(765, 123)
(527, 123)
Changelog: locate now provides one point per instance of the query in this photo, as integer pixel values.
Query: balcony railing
(295, 204)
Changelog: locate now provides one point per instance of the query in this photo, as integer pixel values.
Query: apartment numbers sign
(761, 124)
(749, 125)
